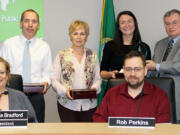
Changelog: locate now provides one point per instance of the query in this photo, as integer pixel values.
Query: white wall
(60, 13)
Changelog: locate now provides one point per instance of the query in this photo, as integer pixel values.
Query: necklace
(4, 93)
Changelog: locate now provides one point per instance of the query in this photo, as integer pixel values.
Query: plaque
(33, 87)
(83, 93)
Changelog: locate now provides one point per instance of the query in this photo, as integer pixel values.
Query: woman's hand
(113, 73)
(68, 94)
(94, 89)
(108, 75)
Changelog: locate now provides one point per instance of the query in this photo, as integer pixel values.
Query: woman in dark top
(11, 99)
(127, 38)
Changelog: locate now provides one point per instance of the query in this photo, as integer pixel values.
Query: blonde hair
(78, 24)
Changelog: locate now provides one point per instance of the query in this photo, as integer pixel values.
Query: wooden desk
(89, 129)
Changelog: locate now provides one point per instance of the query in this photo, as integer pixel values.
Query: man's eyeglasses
(174, 23)
(136, 69)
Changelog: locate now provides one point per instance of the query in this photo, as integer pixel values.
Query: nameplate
(13, 118)
(131, 122)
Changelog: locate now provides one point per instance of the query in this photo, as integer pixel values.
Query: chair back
(15, 82)
(165, 83)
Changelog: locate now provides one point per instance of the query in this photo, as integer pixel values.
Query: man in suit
(30, 57)
(166, 59)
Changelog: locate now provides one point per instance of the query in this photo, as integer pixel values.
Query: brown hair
(29, 10)
(7, 66)
(135, 54)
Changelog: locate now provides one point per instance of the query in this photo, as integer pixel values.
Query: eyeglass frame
(136, 69)
(174, 23)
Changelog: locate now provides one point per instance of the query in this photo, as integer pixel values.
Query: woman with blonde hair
(75, 68)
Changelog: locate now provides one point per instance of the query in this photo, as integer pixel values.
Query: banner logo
(10, 13)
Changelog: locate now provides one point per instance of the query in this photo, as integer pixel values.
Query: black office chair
(165, 83)
(15, 82)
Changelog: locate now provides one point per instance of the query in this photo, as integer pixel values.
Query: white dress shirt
(78, 83)
(40, 53)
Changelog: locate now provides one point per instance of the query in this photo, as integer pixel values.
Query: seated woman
(127, 37)
(74, 68)
(11, 99)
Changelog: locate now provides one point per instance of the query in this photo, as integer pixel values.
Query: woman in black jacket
(127, 38)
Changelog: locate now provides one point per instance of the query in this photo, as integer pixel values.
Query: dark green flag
(107, 24)
(106, 34)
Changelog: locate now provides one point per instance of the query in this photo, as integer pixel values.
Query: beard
(134, 85)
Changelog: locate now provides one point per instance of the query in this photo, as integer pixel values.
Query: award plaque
(119, 75)
(33, 87)
(83, 93)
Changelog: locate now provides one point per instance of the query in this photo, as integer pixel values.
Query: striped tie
(168, 50)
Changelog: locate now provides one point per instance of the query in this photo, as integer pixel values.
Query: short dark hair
(171, 12)
(132, 54)
(29, 10)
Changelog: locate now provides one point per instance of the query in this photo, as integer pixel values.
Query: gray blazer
(19, 101)
(170, 67)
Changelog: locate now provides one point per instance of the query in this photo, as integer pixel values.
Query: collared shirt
(78, 83)
(176, 39)
(41, 60)
(118, 103)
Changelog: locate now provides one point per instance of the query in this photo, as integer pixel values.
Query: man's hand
(150, 65)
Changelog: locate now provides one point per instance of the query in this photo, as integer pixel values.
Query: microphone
(139, 100)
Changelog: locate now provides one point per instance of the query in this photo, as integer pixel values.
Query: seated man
(136, 97)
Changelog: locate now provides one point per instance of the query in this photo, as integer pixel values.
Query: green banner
(107, 24)
(106, 34)
(10, 14)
